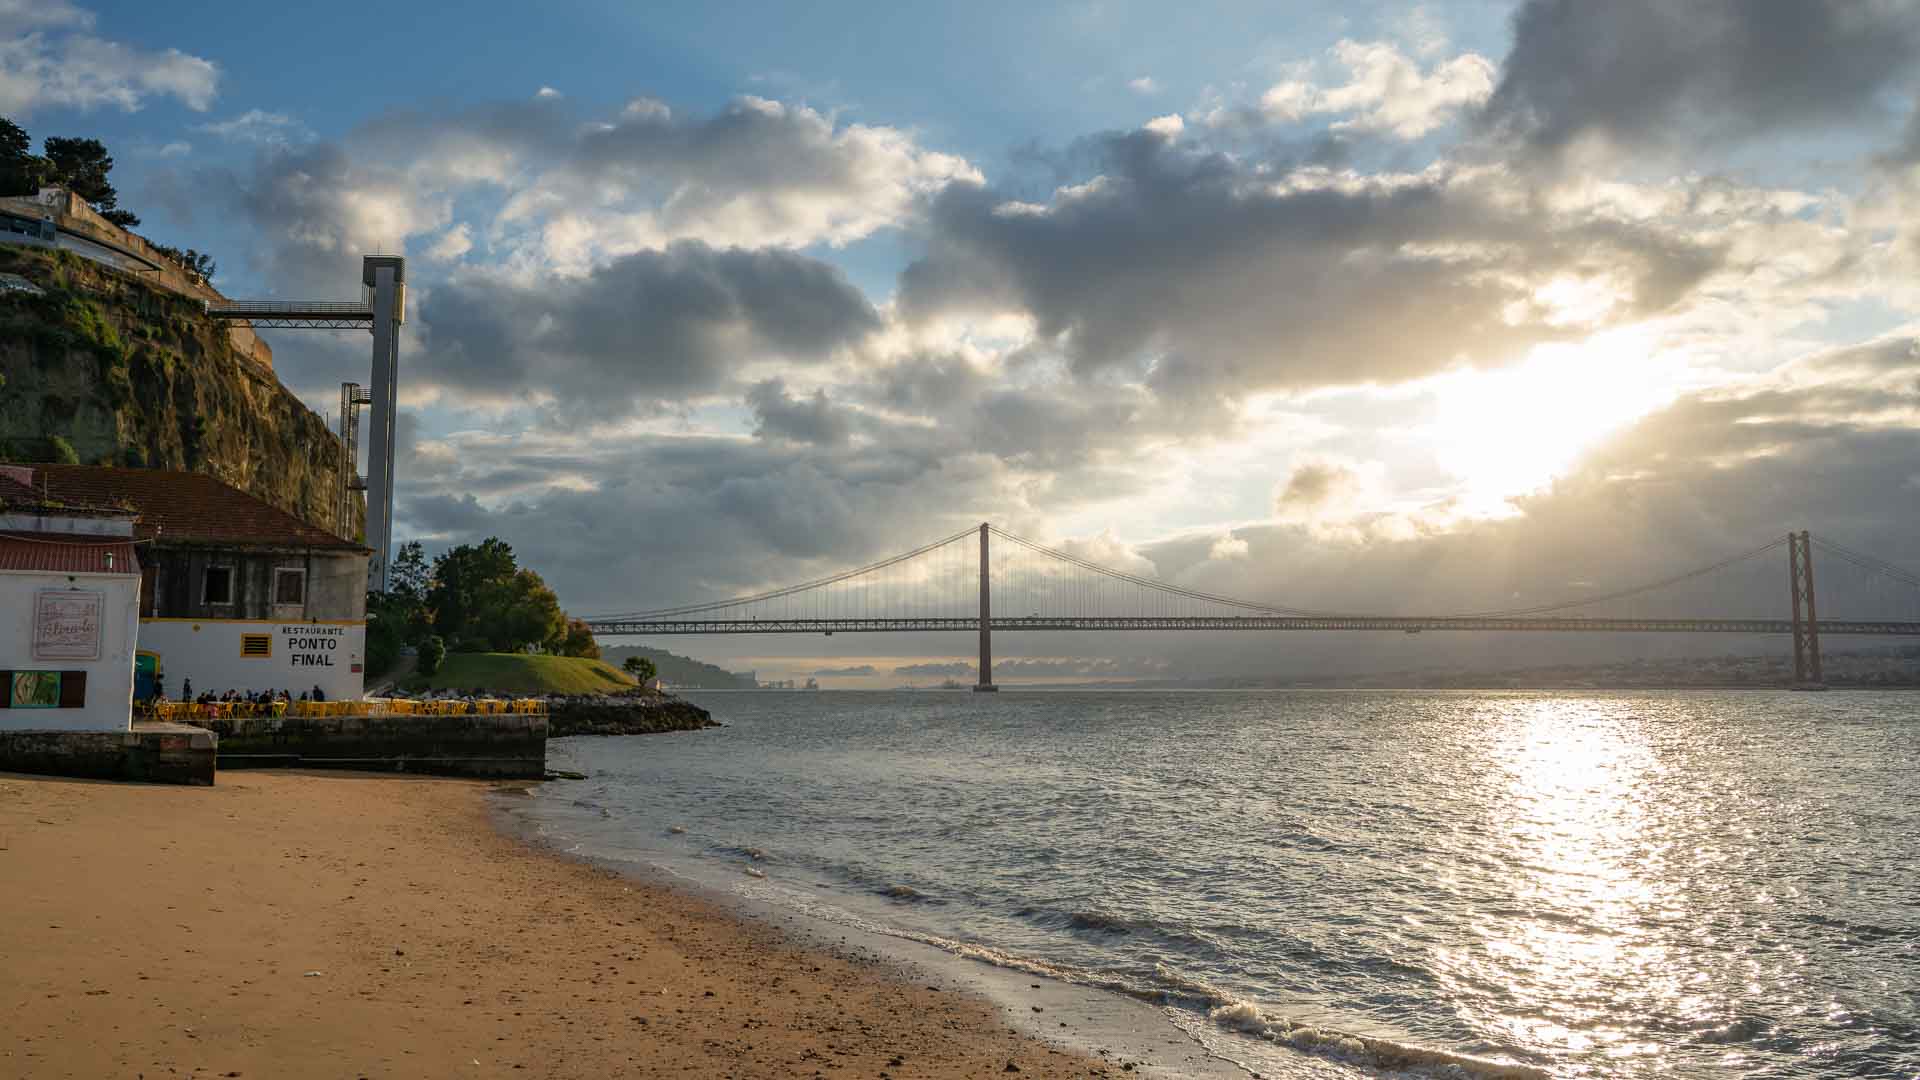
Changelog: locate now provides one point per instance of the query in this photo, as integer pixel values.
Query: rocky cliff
(105, 369)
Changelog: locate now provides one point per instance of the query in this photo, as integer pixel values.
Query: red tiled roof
(66, 553)
(186, 507)
(13, 491)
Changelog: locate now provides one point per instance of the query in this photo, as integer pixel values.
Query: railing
(189, 712)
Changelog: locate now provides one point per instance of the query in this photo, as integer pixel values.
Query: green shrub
(433, 652)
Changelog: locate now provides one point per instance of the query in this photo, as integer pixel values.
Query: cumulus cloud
(451, 244)
(1314, 486)
(556, 188)
(1640, 74)
(317, 210)
(1212, 274)
(52, 61)
(1144, 86)
(1385, 91)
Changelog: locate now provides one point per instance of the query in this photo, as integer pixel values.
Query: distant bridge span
(919, 591)
(1410, 624)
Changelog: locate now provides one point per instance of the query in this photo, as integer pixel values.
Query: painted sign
(220, 654)
(314, 646)
(66, 624)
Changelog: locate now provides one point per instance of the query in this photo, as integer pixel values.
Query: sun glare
(1508, 432)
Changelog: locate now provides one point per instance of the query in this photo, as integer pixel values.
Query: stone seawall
(640, 713)
(154, 753)
(512, 747)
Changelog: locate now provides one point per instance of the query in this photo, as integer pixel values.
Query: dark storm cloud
(651, 326)
(1214, 276)
(728, 515)
(1650, 72)
(780, 415)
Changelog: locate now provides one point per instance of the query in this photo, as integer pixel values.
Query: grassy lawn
(521, 673)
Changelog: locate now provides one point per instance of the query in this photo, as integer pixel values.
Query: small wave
(1176, 983)
(1736, 1031)
(1381, 1054)
(902, 892)
(1099, 921)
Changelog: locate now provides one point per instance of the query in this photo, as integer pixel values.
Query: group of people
(237, 697)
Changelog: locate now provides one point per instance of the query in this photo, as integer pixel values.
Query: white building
(69, 612)
(234, 593)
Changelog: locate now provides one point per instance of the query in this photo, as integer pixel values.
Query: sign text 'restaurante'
(312, 646)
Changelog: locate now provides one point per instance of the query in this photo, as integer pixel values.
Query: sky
(1358, 305)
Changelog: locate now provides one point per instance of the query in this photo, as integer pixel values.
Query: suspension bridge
(954, 583)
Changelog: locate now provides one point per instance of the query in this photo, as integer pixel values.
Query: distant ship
(952, 684)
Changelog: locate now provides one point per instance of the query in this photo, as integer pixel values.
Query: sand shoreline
(337, 924)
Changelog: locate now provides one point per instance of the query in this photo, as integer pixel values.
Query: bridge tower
(1806, 624)
(985, 685)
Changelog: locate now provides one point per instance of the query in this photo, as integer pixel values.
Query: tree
(579, 641)
(641, 669)
(479, 594)
(464, 578)
(21, 172)
(81, 166)
(197, 264)
(408, 575)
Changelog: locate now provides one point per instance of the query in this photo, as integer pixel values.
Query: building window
(219, 586)
(289, 586)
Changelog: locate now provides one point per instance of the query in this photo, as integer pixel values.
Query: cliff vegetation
(100, 368)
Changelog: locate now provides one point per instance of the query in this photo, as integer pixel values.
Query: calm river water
(1633, 884)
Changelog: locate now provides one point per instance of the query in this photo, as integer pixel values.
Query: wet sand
(343, 925)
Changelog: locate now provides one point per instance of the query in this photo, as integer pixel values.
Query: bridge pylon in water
(985, 685)
(1806, 624)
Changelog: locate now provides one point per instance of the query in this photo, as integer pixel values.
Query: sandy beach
(342, 925)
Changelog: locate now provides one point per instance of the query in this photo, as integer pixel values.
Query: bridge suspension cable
(1623, 594)
(1868, 562)
(791, 590)
(1161, 586)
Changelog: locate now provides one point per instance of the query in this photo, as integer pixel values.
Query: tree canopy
(79, 165)
(477, 598)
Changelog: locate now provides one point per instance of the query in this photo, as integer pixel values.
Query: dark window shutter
(73, 689)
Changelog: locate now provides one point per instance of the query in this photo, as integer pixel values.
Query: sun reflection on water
(1571, 936)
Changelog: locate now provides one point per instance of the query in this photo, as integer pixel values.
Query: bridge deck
(1408, 624)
